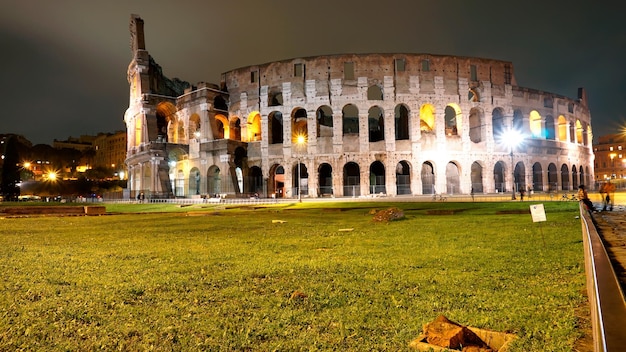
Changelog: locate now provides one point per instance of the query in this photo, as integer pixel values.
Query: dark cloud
(64, 62)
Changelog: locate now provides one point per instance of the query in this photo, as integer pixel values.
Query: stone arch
(324, 119)
(325, 179)
(254, 126)
(550, 128)
(476, 177)
(194, 181)
(579, 132)
(537, 177)
(498, 177)
(223, 127)
(452, 118)
(476, 125)
(574, 177)
(235, 128)
(239, 170)
(403, 177)
(453, 178)
(374, 92)
(553, 178)
(167, 122)
(562, 129)
(214, 181)
(299, 123)
(255, 181)
(377, 178)
(350, 119)
(376, 124)
(401, 118)
(276, 181)
(581, 175)
(519, 177)
(565, 178)
(428, 178)
(351, 179)
(300, 179)
(427, 118)
(535, 124)
(497, 123)
(275, 128)
(175, 160)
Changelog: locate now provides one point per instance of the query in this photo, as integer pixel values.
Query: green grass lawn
(216, 278)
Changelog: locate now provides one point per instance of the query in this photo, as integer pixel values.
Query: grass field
(323, 277)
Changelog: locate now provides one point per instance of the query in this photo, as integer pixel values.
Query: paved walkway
(611, 226)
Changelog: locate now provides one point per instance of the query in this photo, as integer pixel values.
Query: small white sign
(538, 212)
(224, 158)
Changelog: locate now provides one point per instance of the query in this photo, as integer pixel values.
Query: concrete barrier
(52, 210)
(606, 299)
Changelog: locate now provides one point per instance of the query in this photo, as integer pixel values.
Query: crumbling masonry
(351, 125)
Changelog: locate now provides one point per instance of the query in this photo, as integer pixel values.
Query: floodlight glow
(512, 138)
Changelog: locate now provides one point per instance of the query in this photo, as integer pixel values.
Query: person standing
(603, 195)
(609, 189)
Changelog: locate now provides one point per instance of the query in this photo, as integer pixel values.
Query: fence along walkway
(608, 307)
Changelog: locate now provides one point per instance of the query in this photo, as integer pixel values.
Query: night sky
(63, 63)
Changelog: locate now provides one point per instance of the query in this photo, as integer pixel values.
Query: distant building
(82, 143)
(610, 158)
(110, 152)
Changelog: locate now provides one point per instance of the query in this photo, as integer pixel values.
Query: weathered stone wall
(426, 123)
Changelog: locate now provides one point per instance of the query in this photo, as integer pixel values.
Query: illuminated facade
(110, 152)
(392, 124)
(610, 159)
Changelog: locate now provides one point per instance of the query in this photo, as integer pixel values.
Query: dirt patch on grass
(513, 211)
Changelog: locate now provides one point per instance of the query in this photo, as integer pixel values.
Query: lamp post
(300, 141)
(512, 174)
(512, 138)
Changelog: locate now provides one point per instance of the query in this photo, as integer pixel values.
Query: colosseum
(351, 125)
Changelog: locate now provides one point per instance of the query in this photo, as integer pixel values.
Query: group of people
(607, 191)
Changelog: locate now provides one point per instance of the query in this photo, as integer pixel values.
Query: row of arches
(534, 125)
(353, 179)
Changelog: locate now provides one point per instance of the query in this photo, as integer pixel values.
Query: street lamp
(512, 138)
(300, 141)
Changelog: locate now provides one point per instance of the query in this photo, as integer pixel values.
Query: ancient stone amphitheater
(351, 125)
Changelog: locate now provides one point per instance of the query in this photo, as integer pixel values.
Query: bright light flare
(52, 175)
(512, 138)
